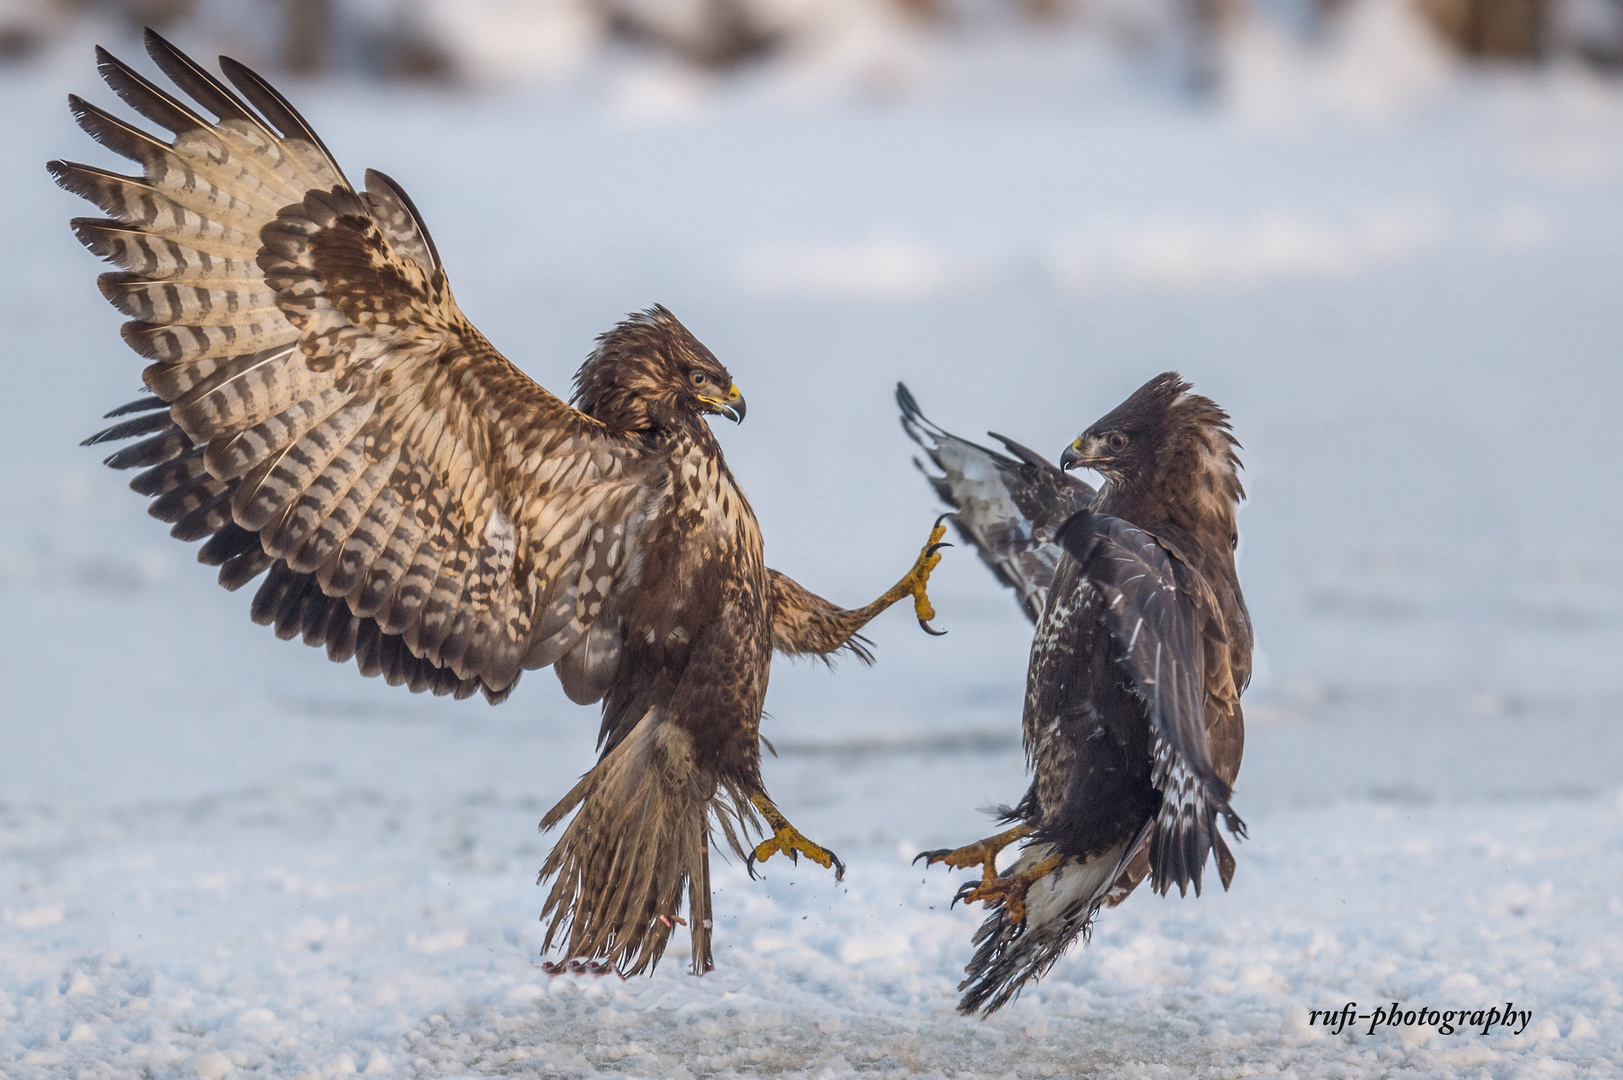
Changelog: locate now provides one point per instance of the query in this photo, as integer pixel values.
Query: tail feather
(640, 839)
(1059, 909)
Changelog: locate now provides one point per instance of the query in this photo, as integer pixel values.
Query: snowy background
(221, 855)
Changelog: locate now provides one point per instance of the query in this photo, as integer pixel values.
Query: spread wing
(1007, 507)
(1155, 607)
(320, 408)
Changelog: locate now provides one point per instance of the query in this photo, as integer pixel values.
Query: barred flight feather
(159, 448)
(178, 501)
(160, 258)
(186, 344)
(335, 522)
(182, 304)
(183, 469)
(206, 519)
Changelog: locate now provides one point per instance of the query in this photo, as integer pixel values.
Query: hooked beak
(1075, 458)
(732, 406)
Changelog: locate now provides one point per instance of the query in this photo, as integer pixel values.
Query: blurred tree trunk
(710, 33)
(1208, 22)
(309, 33)
(1494, 29)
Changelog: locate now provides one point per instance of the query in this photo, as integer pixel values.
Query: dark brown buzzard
(322, 414)
(1132, 720)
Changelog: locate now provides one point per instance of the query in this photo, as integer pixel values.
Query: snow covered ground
(222, 856)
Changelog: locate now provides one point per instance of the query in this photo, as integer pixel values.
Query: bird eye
(1116, 441)
(699, 378)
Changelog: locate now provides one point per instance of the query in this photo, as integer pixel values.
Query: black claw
(930, 857)
(942, 518)
(937, 546)
(839, 867)
(931, 631)
(749, 864)
(963, 892)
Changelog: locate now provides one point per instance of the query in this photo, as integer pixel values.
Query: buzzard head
(650, 374)
(1124, 445)
(1164, 451)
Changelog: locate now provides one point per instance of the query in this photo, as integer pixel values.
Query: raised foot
(1009, 891)
(790, 841)
(918, 578)
(982, 853)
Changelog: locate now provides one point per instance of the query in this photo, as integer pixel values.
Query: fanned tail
(1059, 909)
(640, 839)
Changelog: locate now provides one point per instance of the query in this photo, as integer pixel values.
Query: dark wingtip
(913, 419)
(155, 43)
(140, 404)
(904, 399)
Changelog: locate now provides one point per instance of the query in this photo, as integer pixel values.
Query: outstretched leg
(789, 841)
(982, 853)
(914, 582)
(804, 624)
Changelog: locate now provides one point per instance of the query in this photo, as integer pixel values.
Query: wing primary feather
(171, 474)
(121, 138)
(153, 451)
(239, 570)
(342, 627)
(141, 425)
(232, 540)
(191, 77)
(278, 110)
(141, 95)
(208, 518)
(140, 404)
(1024, 453)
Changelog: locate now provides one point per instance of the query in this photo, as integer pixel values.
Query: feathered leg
(803, 623)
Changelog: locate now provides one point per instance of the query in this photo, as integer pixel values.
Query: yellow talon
(982, 853)
(788, 840)
(918, 578)
(1008, 892)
